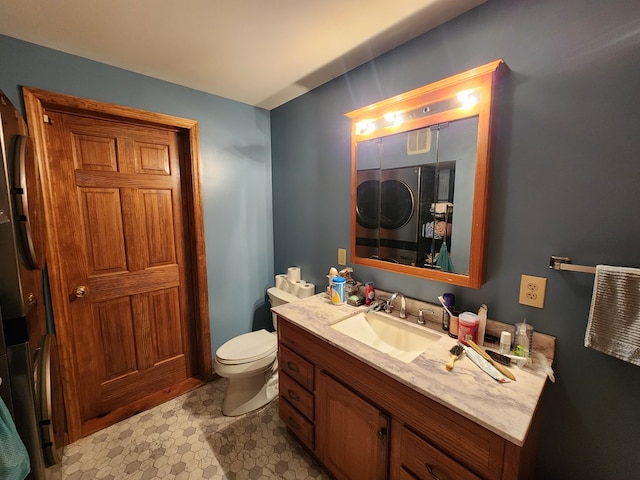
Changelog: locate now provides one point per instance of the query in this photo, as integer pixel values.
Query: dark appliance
(399, 214)
(388, 214)
(367, 212)
(31, 385)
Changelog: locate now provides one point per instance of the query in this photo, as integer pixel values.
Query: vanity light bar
(365, 126)
(465, 99)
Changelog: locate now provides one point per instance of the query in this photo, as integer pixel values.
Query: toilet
(250, 362)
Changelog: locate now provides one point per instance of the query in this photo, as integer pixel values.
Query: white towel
(614, 317)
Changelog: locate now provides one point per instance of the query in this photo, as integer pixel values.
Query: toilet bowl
(250, 363)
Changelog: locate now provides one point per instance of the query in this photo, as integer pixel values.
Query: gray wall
(235, 148)
(565, 182)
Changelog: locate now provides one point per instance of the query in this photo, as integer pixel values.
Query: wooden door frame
(36, 102)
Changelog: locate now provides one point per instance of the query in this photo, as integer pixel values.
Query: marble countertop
(503, 408)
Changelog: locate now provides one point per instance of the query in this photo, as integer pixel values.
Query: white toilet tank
(279, 297)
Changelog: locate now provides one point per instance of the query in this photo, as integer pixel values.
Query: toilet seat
(247, 348)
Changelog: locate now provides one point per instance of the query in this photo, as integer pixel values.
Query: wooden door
(352, 434)
(116, 207)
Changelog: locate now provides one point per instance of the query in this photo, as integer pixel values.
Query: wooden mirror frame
(481, 79)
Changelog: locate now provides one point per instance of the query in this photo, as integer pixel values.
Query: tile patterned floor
(189, 438)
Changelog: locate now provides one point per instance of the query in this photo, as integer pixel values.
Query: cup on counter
(453, 324)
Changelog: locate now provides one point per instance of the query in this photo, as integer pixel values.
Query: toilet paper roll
(281, 281)
(295, 287)
(293, 274)
(307, 290)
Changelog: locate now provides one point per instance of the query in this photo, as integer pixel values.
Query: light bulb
(468, 99)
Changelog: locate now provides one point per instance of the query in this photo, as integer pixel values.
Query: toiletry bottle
(369, 293)
(505, 342)
(338, 290)
(445, 320)
(523, 333)
(333, 272)
(450, 302)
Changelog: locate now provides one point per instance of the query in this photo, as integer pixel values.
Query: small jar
(468, 327)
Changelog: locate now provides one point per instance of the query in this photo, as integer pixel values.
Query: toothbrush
(441, 298)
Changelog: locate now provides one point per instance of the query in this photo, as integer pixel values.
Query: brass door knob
(81, 291)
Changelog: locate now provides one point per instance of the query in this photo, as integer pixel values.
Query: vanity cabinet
(362, 423)
(352, 434)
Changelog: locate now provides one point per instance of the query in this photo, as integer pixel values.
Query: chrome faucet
(376, 306)
(389, 305)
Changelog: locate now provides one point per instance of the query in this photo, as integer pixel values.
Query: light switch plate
(532, 290)
(342, 256)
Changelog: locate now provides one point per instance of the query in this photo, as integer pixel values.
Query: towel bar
(564, 263)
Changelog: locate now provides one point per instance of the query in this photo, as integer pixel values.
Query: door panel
(104, 230)
(117, 203)
(114, 324)
(352, 433)
(157, 206)
(152, 159)
(105, 287)
(165, 308)
(95, 153)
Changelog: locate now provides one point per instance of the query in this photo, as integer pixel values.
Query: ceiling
(259, 52)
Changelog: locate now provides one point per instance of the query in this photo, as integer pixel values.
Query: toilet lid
(247, 347)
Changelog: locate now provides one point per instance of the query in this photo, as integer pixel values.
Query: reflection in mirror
(420, 165)
(406, 196)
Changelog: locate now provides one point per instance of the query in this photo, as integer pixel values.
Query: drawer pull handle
(293, 395)
(293, 367)
(293, 424)
(431, 472)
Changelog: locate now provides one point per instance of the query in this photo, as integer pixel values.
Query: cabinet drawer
(426, 462)
(297, 423)
(297, 396)
(296, 367)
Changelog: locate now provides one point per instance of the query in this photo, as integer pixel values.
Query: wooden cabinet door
(352, 434)
(118, 217)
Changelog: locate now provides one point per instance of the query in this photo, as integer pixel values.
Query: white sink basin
(397, 338)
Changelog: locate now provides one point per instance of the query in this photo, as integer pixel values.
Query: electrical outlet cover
(342, 256)
(532, 290)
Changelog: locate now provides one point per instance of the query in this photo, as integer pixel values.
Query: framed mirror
(420, 179)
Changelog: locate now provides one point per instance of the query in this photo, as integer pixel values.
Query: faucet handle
(420, 317)
(388, 306)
